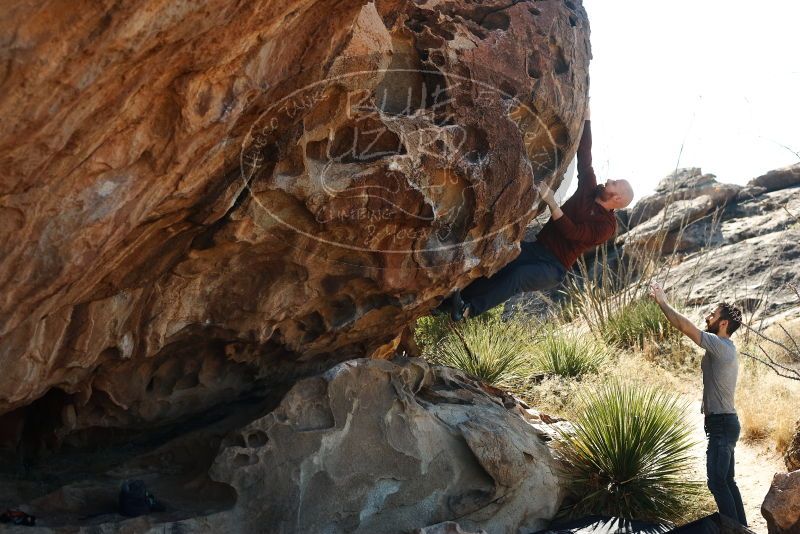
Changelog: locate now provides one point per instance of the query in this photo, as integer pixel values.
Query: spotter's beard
(713, 328)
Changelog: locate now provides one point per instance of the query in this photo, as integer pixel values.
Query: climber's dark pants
(535, 269)
(723, 432)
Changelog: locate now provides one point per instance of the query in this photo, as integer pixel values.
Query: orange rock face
(203, 199)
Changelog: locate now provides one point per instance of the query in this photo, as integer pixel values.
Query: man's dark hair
(732, 314)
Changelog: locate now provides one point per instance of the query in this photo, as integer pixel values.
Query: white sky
(720, 77)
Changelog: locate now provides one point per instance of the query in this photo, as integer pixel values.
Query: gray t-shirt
(720, 367)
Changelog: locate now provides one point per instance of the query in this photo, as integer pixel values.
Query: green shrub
(637, 322)
(487, 348)
(430, 330)
(567, 354)
(630, 454)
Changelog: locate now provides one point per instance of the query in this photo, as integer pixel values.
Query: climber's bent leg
(528, 254)
(535, 269)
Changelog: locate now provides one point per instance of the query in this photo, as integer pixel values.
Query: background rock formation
(731, 243)
(660, 221)
(202, 198)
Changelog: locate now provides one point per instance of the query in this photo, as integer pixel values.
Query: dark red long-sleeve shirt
(585, 223)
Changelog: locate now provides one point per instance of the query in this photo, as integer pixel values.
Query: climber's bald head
(615, 194)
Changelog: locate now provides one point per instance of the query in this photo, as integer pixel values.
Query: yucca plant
(632, 325)
(567, 354)
(487, 348)
(629, 454)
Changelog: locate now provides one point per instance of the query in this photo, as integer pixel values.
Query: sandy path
(755, 467)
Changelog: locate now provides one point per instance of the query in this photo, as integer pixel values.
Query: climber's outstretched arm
(586, 176)
(679, 321)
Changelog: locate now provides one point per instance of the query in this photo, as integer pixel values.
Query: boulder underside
(204, 201)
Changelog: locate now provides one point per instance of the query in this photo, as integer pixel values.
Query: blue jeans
(535, 269)
(723, 432)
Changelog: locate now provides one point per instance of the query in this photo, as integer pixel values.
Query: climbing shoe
(16, 517)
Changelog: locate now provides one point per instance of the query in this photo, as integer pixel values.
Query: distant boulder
(777, 179)
(678, 205)
(683, 184)
(792, 456)
(781, 507)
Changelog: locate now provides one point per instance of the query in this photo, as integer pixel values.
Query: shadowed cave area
(74, 477)
(195, 399)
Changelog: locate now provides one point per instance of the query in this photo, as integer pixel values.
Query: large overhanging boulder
(199, 199)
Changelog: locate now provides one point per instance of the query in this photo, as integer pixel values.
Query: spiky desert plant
(487, 348)
(629, 454)
(567, 354)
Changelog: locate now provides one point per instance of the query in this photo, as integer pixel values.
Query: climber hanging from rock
(584, 221)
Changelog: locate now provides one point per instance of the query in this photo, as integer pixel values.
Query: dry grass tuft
(556, 395)
(768, 405)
